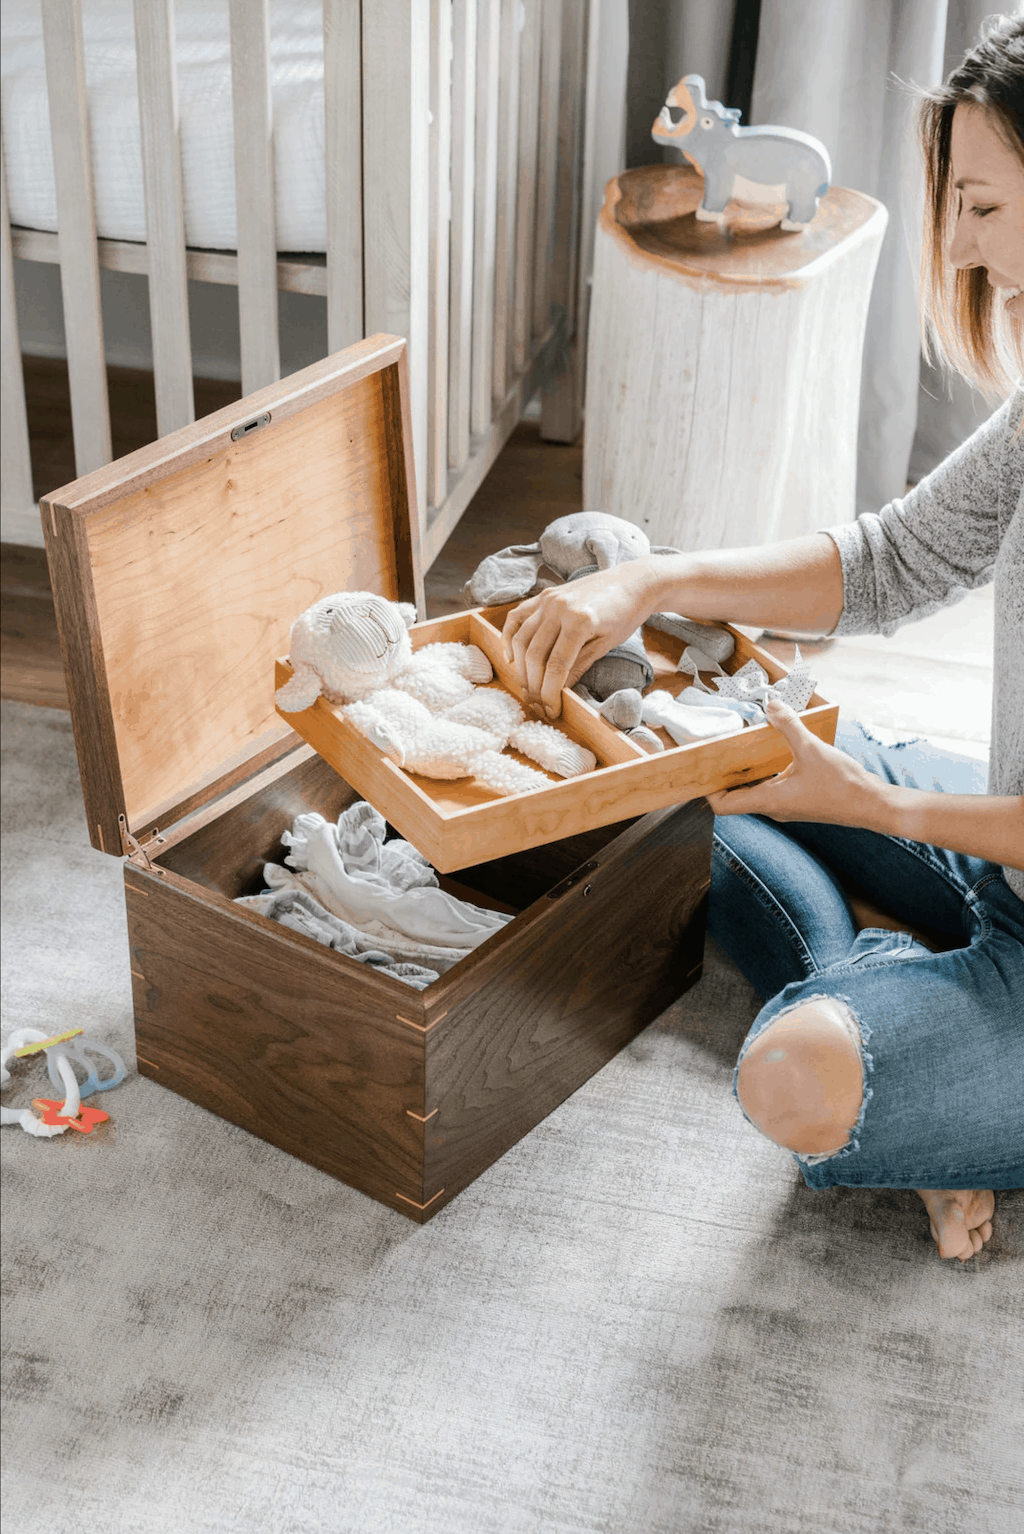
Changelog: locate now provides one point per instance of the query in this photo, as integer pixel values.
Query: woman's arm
(554, 637)
(823, 784)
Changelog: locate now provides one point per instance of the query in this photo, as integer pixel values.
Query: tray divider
(488, 639)
(608, 744)
(579, 721)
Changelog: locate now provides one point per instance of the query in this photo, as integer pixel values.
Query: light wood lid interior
(200, 564)
(653, 209)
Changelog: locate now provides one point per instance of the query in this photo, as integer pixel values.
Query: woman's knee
(800, 1081)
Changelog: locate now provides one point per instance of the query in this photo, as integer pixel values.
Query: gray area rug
(639, 1320)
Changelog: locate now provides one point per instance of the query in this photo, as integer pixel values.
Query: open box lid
(177, 572)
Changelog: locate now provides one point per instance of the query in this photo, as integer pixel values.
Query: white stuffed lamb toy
(423, 709)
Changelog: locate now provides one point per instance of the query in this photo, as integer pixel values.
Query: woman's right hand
(554, 637)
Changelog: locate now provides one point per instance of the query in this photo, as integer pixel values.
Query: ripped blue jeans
(942, 1033)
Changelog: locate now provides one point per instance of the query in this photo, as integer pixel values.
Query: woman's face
(989, 179)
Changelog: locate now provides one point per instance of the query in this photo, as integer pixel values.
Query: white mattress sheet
(207, 137)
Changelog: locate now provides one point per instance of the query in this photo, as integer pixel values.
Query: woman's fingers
(763, 798)
(515, 620)
(553, 655)
(544, 645)
(566, 663)
(531, 647)
(553, 637)
(754, 798)
(736, 801)
(819, 784)
(788, 723)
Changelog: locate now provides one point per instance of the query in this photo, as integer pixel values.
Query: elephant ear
(606, 550)
(504, 577)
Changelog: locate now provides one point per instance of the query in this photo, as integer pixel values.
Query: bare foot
(961, 1219)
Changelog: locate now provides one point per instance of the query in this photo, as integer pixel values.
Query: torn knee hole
(801, 1080)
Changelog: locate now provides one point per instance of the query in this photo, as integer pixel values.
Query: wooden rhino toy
(752, 164)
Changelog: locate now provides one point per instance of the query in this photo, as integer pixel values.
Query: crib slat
(488, 58)
(76, 221)
(165, 221)
(547, 162)
(526, 199)
(252, 112)
(508, 176)
(15, 458)
(562, 402)
(343, 134)
(439, 248)
(396, 168)
(306, 273)
(460, 345)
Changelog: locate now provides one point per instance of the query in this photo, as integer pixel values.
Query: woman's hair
(962, 324)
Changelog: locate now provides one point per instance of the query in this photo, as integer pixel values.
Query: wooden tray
(455, 823)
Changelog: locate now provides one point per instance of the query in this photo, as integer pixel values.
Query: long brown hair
(962, 324)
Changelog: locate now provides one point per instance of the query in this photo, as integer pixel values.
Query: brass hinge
(135, 851)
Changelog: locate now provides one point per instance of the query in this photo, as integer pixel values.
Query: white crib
(458, 136)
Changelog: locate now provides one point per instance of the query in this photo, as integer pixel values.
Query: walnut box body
(177, 572)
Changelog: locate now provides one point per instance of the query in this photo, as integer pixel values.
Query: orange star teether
(49, 1112)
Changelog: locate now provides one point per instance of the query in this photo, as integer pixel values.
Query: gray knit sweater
(961, 527)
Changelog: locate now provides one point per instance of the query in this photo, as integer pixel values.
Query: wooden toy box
(177, 572)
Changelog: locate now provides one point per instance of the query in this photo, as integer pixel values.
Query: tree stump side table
(723, 364)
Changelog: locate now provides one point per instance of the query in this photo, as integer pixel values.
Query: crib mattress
(207, 137)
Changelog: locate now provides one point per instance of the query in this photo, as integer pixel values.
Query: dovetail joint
(413, 1202)
(422, 1027)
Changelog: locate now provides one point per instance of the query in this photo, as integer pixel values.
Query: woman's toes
(960, 1219)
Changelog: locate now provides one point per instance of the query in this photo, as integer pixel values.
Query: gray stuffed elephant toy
(579, 545)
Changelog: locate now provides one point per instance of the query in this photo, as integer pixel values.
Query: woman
(881, 1059)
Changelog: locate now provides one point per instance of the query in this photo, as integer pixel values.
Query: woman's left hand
(820, 783)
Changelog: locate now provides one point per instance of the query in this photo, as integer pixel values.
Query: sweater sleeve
(926, 550)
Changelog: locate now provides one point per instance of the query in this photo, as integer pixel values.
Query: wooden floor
(933, 678)
(132, 414)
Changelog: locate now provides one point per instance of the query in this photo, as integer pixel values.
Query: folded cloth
(376, 888)
(297, 909)
(362, 829)
(684, 722)
(377, 901)
(366, 935)
(698, 697)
